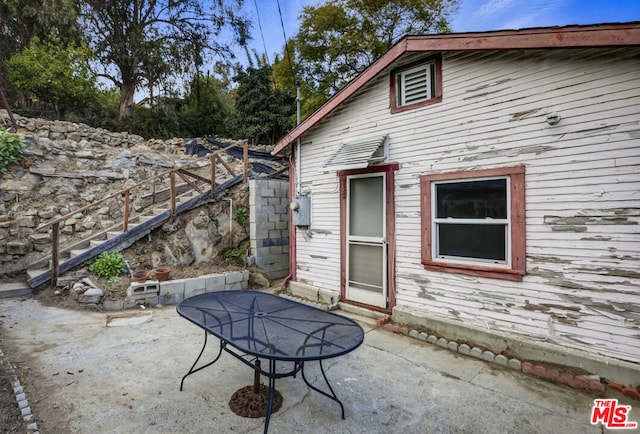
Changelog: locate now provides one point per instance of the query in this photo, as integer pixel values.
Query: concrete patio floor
(84, 376)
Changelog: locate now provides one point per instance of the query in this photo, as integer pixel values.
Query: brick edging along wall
(589, 382)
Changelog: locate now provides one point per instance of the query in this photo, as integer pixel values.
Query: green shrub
(233, 256)
(241, 216)
(11, 149)
(110, 265)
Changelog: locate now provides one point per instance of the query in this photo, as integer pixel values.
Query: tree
(21, 20)
(263, 110)
(288, 74)
(338, 39)
(134, 37)
(55, 73)
(208, 105)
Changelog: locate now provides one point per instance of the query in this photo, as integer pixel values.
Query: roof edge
(572, 36)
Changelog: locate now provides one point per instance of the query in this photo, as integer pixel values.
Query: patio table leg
(192, 370)
(272, 391)
(332, 396)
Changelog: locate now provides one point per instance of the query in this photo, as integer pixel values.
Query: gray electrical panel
(301, 208)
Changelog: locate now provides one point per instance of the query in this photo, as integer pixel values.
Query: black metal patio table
(259, 325)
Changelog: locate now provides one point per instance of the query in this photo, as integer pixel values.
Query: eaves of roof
(574, 36)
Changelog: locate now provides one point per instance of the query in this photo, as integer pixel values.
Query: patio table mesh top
(273, 327)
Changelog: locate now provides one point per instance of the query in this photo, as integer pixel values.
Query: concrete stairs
(114, 239)
(14, 288)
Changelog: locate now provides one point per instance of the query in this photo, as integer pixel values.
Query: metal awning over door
(358, 154)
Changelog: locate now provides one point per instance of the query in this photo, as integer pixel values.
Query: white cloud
(493, 7)
(479, 15)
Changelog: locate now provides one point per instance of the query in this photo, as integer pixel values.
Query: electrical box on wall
(301, 207)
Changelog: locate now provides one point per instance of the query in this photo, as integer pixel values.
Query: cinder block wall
(269, 225)
(153, 292)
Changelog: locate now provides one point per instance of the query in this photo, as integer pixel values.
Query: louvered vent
(415, 85)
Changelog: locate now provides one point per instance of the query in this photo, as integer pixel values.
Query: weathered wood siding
(582, 287)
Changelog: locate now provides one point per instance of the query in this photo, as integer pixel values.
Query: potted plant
(140, 276)
(162, 273)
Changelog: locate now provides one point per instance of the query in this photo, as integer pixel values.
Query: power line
(286, 43)
(264, 44)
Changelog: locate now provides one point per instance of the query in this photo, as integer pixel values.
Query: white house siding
(582, 287)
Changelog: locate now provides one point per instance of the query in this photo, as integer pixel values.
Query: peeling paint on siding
(319, 257)
(617, 272)
(484, 86)
(565, 283)
(615, 216)
(322, 231)
(547, 260)
(612, 310)
(523, 114)
(512, 153)
(424, 295)
(569, 228)
(596, 238)
(546, 307)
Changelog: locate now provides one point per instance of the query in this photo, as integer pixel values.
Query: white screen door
(366, 244)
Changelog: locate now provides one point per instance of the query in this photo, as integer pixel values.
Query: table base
(247, 402)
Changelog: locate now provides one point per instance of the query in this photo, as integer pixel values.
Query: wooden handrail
(123, 192)
(126, 194)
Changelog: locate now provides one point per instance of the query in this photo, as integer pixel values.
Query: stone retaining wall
(68, 166)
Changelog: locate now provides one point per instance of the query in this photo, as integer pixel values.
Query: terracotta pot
(162, 273)
(140, 276)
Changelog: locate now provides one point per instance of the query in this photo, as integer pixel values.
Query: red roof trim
(589, 36)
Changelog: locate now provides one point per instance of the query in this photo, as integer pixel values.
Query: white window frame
(437, 257)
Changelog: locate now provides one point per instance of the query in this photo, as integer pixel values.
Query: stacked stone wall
(66, 167)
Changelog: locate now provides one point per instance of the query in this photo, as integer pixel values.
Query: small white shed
(487, 181)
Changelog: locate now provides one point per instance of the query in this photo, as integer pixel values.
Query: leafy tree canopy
(339, 38)
(146, 40)
(208, 105)
(263, 110)
(21, 20)
(55, 73)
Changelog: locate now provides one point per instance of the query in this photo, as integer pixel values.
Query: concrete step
(95, 243)
(14, 289)
(113, 234)
(36, 272)
(74, 253)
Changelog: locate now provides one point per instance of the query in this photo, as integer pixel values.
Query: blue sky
(473, 15)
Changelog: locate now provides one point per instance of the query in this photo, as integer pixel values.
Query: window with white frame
(417, 84)
(473, 222)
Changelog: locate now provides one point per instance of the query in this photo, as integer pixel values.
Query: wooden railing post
(245, 158)
(125, 222)
(54, 225)
(8, 109)
(55, 246)
(213, 174)
(172, 193)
